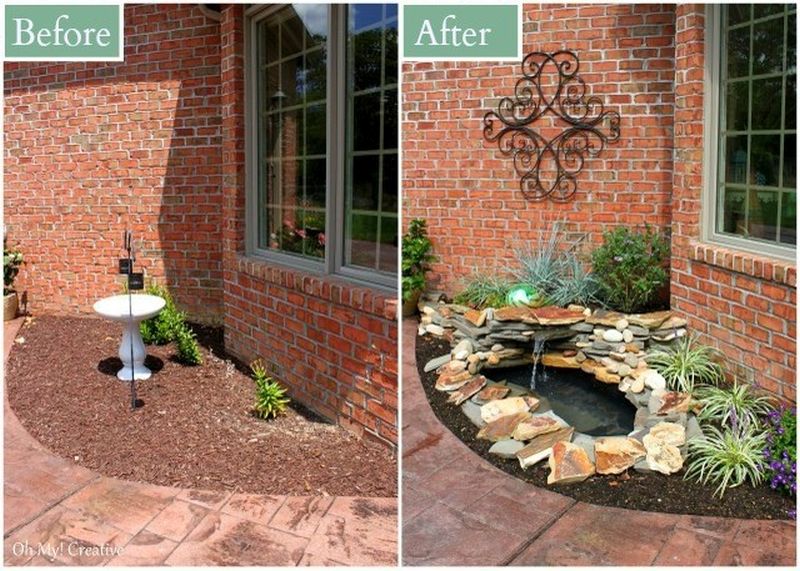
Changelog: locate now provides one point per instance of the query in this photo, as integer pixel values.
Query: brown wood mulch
(195, 428)
(634, 490)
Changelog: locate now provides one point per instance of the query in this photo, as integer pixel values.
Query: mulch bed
(634, 490)
(195, 428)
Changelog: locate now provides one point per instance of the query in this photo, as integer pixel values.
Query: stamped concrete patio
(460, 510)
(59, 513)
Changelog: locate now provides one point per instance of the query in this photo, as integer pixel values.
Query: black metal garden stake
(135, 281)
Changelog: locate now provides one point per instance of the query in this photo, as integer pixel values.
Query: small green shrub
(271, 399)
(12, 260)
(170, 325)
(736, 404)
(416, 257)
(164, 327)
(687, 365)
(629, 266)
(727, 457)
(484, 290)
(188, 349)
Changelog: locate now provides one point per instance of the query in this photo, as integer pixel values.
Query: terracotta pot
(10, 306)
(410, 305)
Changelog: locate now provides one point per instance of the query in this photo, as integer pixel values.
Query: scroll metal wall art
(588, 125)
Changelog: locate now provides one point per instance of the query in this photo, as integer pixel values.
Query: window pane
(365, 182)
(767, 103)
(739, 52)
(789, 161)
(371, 173)
(789, 218)
(738, 13)
(765, 160)
(367, 121)
(736, 106)
(362, 240)
(388, 249)
(791, 45)
(763, 214)
(291, 98)
(768, 46)
(763, 10)
(791, 102)
(389, 202)
(736, 159)
(734, 214)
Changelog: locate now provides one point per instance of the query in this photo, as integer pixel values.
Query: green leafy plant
(629, 266)
(687, 365)
(170, 325)
(188, 349)
(555, 270)
(271, 399)
(12, 260)
(727, 457)
(484, 290)
(735, 404)
(416, 257)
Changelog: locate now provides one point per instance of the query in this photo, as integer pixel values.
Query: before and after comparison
(415, 284)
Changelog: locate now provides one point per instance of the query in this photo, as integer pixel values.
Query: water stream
(538, 350)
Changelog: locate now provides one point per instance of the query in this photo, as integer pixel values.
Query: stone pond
(516, 373)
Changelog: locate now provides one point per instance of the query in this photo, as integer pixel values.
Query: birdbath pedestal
(119, 308)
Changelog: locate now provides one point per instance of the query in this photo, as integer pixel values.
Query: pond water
(590, 406)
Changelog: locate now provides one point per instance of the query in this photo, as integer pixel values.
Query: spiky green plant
(575, 284)
(738, 403)
(727, 457)
(687, 364)
(484, 290)
(271, 399)
(555, 270)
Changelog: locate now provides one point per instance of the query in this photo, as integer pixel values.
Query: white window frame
(713, 109)
(333, 262)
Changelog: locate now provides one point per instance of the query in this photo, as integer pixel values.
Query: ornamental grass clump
(728, 456)
(271, 399)
(688, 365)
(780, 454)
(484, 290)
(737, 403)
(630, 268)
(555, 271)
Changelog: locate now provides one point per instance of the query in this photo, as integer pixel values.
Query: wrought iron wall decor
(589, 125)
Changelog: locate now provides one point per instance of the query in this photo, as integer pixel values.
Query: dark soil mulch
(633, 490)
(195, 428)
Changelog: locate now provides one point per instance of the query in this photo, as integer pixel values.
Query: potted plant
(416, 259)
(12, 260)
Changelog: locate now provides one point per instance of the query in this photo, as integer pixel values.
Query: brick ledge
(327, 287)
(760, 267)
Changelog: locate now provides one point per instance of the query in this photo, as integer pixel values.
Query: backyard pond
(648, 491)
(591, 407)
(195, 428)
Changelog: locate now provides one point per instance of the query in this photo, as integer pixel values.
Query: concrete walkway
(460, 510)
(59, 513)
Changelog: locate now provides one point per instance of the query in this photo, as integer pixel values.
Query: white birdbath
(118, 308)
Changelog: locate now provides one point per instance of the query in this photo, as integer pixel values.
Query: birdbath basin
(119, 308)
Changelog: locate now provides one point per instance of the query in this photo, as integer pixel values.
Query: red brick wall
(469, 192)
(742, 303)
(333, 344)
(81, 137)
